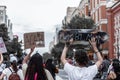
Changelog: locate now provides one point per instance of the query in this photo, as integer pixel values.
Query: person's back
(13, 68)
(81, 72)
(35, 69)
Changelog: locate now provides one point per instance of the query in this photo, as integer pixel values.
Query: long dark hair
(35, 65)
(14, 66)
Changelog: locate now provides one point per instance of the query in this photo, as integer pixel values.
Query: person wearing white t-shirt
(81, 72)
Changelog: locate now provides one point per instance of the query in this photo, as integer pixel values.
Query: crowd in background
(32, 67)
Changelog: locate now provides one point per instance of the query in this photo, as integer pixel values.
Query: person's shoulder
(8, 68)
(19, 70)
(46, 71)
(92, 66)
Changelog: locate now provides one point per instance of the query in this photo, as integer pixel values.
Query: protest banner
(82, 36)
(2, 46)
(34, 38)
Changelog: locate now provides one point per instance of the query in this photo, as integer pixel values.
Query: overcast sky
(37, 15)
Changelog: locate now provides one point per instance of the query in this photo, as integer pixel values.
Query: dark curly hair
(81, 57)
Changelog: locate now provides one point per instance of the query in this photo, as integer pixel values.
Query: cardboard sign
(33, 38)
(2, 46)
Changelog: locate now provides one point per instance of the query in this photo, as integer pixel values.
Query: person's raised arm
(100, 59)
(28, 55)
(64, 52)
(1, 58)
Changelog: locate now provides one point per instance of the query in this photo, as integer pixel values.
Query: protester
(35, 70)
(13, 68)
(114, 70)
(104, 67)
(51, 67)
(81, 72)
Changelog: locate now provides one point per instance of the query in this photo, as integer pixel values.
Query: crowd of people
(32, 67)
(106, 69)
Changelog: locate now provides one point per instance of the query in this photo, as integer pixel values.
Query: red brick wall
(103, 12)
(111, 13)
(111, 33)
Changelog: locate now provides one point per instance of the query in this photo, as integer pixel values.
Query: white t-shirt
(2, 67)
(77, 73)
(7, 72)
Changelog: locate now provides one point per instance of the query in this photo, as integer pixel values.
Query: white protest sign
(2, 46)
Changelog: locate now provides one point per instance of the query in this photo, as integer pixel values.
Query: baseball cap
(13, 58)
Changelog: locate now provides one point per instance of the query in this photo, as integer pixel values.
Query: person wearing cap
(7, 71)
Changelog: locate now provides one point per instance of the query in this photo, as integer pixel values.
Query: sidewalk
(58, 78)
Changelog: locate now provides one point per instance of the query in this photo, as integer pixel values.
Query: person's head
(13, 61)
(106, 57)
(35, 65)
(116, 65)
(48, 64)
(49, 61)
(81, 57)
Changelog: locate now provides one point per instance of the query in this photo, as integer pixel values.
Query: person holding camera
(81, 72)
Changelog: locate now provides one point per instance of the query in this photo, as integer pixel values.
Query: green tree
(57, 51)
(78, 22)
(4, 33)
(12, 46)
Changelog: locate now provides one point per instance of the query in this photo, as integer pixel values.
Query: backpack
(13, 76)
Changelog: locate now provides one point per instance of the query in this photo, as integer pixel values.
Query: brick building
(106, 19)
(113, 15)
(95, 9)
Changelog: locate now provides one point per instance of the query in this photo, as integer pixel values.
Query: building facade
(3, 16)
(113, 13)
(4, 20)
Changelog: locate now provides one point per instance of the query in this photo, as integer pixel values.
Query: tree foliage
(12, 46)
(57, 51)
(4, 33)
(78, 22)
